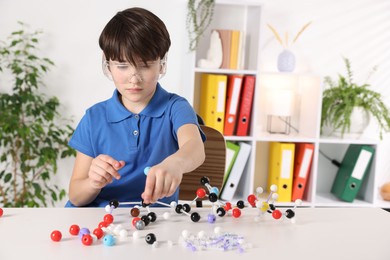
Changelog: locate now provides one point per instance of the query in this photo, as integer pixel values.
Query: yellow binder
(212, 100)
(281, 169)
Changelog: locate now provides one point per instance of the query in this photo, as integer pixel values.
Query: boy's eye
(122, 66)
(143, 66)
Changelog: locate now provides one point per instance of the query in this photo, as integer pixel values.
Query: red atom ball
(236, 212)
(252, 199)
(108, 218)
(87, 240)
(1, 212)
(201, 193)
(98, 232)
(74, 230)
(276, 214)
(56, 235)
(103, 224)
(135, 221)
(228, 206)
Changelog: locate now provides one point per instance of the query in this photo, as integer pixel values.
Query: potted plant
(343, 98)
(33, 136)
(199, 16)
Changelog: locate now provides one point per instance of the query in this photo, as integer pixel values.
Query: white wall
(357, 29)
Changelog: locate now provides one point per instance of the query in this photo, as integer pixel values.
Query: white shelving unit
(246, 16)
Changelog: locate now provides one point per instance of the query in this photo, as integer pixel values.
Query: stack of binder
(226, 102)
(289, 166)
(238, 160)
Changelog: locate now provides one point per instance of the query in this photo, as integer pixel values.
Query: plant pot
(360, 119)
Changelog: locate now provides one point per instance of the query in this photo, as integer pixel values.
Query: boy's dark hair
(135, 34)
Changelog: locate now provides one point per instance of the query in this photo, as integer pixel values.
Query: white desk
(353, 233)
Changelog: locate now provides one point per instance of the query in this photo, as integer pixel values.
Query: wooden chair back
(213, 166)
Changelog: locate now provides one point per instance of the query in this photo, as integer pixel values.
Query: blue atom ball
(146, 170)
(214, 190)
(108, 240)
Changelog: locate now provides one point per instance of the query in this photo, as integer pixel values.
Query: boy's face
(136, 84)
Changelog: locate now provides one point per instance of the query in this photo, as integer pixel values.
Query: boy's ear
(106, 68)
(163, 68)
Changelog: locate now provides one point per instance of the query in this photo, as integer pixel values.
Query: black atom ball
(179, 208)
(187, 208)
(204, 180)
(290, 213)
(145, 219)
(240, 204)
(195, 217)
(213, 197)
(152, 216)
(150, 238)
(144, 205)
(221, 212)
(114, 203)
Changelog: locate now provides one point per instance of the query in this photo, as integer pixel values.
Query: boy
(141, 125)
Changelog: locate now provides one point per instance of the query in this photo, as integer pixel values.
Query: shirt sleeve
(81, 138)
(182, 113)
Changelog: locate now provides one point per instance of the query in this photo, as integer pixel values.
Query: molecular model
(109, 233)
(223, 208)
(151, 216)
(268, 206)
(218, 207)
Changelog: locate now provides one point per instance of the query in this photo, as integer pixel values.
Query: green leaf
(7, 177)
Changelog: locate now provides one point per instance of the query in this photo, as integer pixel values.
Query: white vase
(360, 119)
(286, 61)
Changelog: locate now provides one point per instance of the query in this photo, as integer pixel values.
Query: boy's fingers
(113, 165)
(149, 188)
(158, 189)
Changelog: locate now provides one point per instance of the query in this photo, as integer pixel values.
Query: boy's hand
(103, 168)
(161, 182)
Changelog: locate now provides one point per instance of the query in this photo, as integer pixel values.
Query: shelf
(329, 200)
(305, 116)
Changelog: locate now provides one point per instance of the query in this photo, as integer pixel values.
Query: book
(236, 172)
(234, 49)
(354, 167)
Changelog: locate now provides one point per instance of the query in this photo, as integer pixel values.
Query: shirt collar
(116, 112)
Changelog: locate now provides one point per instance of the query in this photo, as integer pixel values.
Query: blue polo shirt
(141, 140)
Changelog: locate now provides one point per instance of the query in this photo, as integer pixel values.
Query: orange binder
(245, 110)
(232, 102)
(302, 165)
(213, 100)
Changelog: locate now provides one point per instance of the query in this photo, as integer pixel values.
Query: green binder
(231, 155)
(354, 167)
